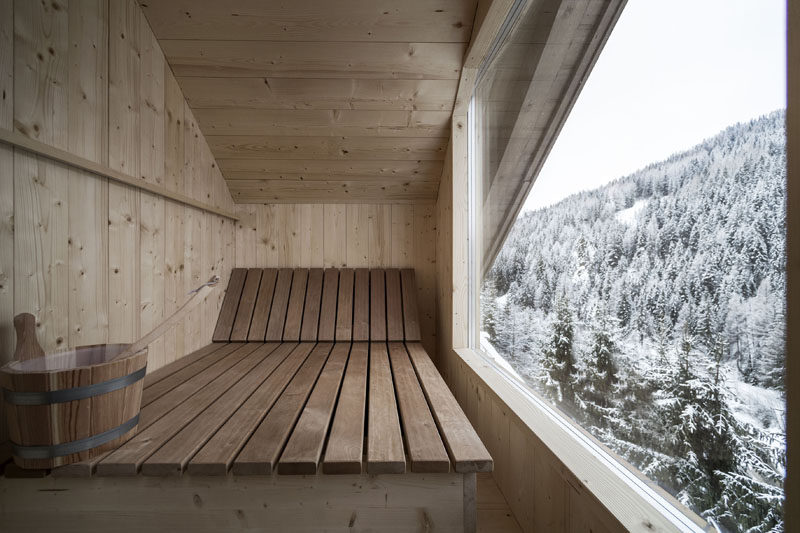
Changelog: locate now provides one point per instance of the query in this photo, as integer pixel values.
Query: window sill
(630, 497)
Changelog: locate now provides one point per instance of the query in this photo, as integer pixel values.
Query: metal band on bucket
(71, 395)
(75, 446)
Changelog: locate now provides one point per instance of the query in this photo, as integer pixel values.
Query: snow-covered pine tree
(558, 361)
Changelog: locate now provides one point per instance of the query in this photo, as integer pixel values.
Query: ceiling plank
(312, 20)
(347, 148)
(322, 93)
(438, 61)
(321, 122)
(249, 191)
(321, 169)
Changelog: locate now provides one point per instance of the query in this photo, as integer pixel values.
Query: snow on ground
(628, 216)
(758, 406)
(495, 356)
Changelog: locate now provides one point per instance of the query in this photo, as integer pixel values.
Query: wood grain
(227, 315)
(394, 306)
(260, 454)
(304, 447)
(344, 310)
(327, 315)
(410, 315)
(311, 310)
(344, 452)
(294, 310)
(385, 453)
(217, 455)
(247, 302)
(261, 312)
(425, 448)
(377, 305)
(280, 302)
(361, 305)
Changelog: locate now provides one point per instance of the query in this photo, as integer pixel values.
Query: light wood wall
(97, 261)
(339, 235)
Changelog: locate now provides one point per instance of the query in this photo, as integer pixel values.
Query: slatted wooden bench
(312, 372)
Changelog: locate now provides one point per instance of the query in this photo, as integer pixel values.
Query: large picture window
(648, 308)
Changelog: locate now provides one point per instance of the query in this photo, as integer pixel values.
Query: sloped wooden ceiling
(320, 100)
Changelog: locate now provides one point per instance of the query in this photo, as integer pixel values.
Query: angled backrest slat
(327, 313)
(244, 315)
(280, 302)
(361, 306)
(344, 311)
(377, 305)
(230, 304)
(394, 306)
(258, 326)
(308, 332)
(410, 317)
(294, 311)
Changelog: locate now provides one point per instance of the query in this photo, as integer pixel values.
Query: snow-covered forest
(651, 310)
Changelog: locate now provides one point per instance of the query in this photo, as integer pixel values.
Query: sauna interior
(146, 146)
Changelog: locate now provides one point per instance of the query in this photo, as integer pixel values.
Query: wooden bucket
(72, 406)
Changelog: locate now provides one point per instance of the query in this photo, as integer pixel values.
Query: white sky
(672, 73)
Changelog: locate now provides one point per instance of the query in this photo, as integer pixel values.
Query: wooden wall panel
(97, 261)
(352, 235)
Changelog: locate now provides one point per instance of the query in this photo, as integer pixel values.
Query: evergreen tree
(558, 362)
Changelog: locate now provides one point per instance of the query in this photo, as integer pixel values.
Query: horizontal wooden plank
(312, 20)
(324, 122)
(342, 148)
(251, 191)
(322, 170)
(23, 142)
(322, 93)
(167, 370)
(379, 60)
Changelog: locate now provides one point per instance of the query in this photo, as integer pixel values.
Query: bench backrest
(309, 305)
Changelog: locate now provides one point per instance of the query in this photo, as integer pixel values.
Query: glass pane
(649, 309)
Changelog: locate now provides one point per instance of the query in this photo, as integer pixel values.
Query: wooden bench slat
(167, 370)
(304, 447)
(384, 439)
(394, 306)
(261, 452)
(308, 333)
(227, 313)
(258, 326)
(345, 449)
(410, 317)
(327, 314)
(180, 389)
(173, 456)
(361, 306)
(294, 311)
(241, 325)
(220, 362)
(166, 385)
(425, 447)
(377, 305)
(344, 311)
(126, 459)
(463, 444)
(216, 457)
(280, 302)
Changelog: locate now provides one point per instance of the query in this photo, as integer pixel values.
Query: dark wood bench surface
(338, 384)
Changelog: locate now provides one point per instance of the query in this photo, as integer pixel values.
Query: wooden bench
(311, 373)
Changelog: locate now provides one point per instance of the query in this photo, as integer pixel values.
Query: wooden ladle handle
(27, 345)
